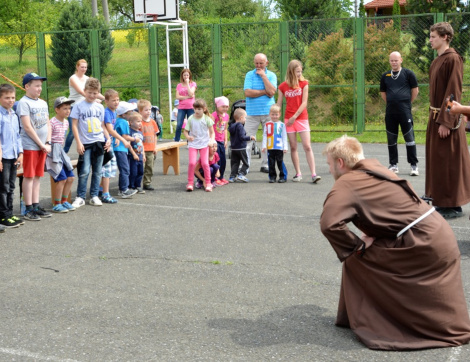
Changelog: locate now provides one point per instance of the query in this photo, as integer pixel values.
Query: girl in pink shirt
(221, 119)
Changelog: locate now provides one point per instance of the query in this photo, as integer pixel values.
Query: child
(111, 98)
(275, 140)
(221, 119)
(123, 111)
(238, 140)
(159, 121)
(213, 168)
(11, 156)
(137, 156)
(36, 140)
(199, 133)
(93, 141)
(58, 162)
(174, 114)
(149, 129)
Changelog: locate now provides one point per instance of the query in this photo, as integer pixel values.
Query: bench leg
(171, 157)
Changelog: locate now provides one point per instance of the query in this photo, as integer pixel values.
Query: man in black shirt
(398, 88)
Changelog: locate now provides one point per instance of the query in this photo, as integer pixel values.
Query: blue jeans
(182, 113)
(136, 172)
(70, 137)
(95, 167)
(123, 166)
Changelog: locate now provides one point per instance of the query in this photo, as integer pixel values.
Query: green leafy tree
(69, 46)
(313, 9)
(361, 11)
(396, 11)
(21, 18)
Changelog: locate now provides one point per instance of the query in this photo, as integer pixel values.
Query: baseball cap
(125, 107)
(62, 100)
(32, 76)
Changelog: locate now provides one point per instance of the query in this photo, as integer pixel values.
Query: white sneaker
(414, 171)
(95, 201)
(78, 202)
(393, 168)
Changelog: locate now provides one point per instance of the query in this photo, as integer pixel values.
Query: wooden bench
(19, 174)
(171, 155)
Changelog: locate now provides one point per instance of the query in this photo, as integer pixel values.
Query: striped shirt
(58, 130)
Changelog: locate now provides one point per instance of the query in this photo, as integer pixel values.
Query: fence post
(95, 54)
(217, 84)
(284, 41)
(153, 63)
(42, 70)
(360, 75)
(439, 17)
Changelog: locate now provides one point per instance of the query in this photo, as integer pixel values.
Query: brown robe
(448, 159)
(403, 293)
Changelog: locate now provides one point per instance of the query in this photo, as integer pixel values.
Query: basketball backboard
(145, 10)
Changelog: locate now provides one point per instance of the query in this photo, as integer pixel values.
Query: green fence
(343, 61)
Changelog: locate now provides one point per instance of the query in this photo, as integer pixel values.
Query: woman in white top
(77, 93)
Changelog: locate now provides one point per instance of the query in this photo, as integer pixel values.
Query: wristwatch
(48, 143)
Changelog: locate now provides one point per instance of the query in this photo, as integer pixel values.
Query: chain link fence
(330, 49)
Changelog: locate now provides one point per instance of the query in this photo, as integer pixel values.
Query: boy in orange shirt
(150, 130)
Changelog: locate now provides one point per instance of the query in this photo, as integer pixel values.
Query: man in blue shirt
(260, 87)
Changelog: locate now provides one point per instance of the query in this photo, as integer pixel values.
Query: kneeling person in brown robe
(401, 288)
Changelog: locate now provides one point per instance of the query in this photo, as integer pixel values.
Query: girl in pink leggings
(200, 134)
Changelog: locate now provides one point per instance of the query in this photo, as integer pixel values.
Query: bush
(69, 46)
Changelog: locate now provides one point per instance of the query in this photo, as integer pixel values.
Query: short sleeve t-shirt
(121, 127)
(199, 129)
(137, 145)
(258, 106)
(149, 130)
(90, 117)
(38, 113)
(58, 130)
(110, 117)
(220, 126)
(183, 91)
(294, 99)
(398, 89)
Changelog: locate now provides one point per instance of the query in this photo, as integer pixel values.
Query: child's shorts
(33, 163)
(109, 170)
(64, 175)
(298, 126)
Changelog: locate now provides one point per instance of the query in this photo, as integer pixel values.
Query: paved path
(239, 274)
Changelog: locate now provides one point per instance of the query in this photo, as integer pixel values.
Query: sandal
(109, 200)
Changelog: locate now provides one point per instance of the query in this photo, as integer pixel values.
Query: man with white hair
(399, 88)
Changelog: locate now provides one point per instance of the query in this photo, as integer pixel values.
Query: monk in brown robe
(447, 156)
(397, 292)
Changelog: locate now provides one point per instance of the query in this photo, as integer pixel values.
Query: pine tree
(396, 12)
(69, 46)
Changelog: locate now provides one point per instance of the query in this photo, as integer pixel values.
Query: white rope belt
(430, 211)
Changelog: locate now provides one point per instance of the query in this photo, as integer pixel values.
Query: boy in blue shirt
(92, 142)
(11, 156)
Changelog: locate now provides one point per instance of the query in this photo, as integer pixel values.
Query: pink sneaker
(209, 188)
(224, 181)
(189, 187)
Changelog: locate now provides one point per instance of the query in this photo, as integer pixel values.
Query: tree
(313, 9)
(361, 11)
(396, 11)
(22, 18)
(422, 53)
(68, 47)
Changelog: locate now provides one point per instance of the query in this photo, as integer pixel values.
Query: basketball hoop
(146, 17)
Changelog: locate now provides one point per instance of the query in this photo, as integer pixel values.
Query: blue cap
(32, 76)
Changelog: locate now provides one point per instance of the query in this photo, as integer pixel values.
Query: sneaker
(272, 180)
(315, 178)
(68, 206)
(199, 184)
(231, 179)
(32, 216)
(414, 170)
(140, 190)
(148, 188)
(18, 220)
(224, 181)
(78, 202)
(242, 178)
(209, 188)
(264, 169)
(282, 180)
(9, 223)
(59, 208)
(393, 168)
(42, 213)
(297, 178)
(108, 199)
(449, 212)
(189, 187)
(128, 193)
(219, 183)
(95, 201)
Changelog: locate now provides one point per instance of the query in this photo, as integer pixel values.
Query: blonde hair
(93, 84)
(201, 103)
(238, 113)
(275, 108)
(143, 103)
(110, 93)
(134, 116)
(291, 79)
(349, 149)
(186, 70)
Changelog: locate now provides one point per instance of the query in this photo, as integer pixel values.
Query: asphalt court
(239, 274)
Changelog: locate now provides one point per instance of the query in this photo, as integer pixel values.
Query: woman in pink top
(185, 92)
(295, 91)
